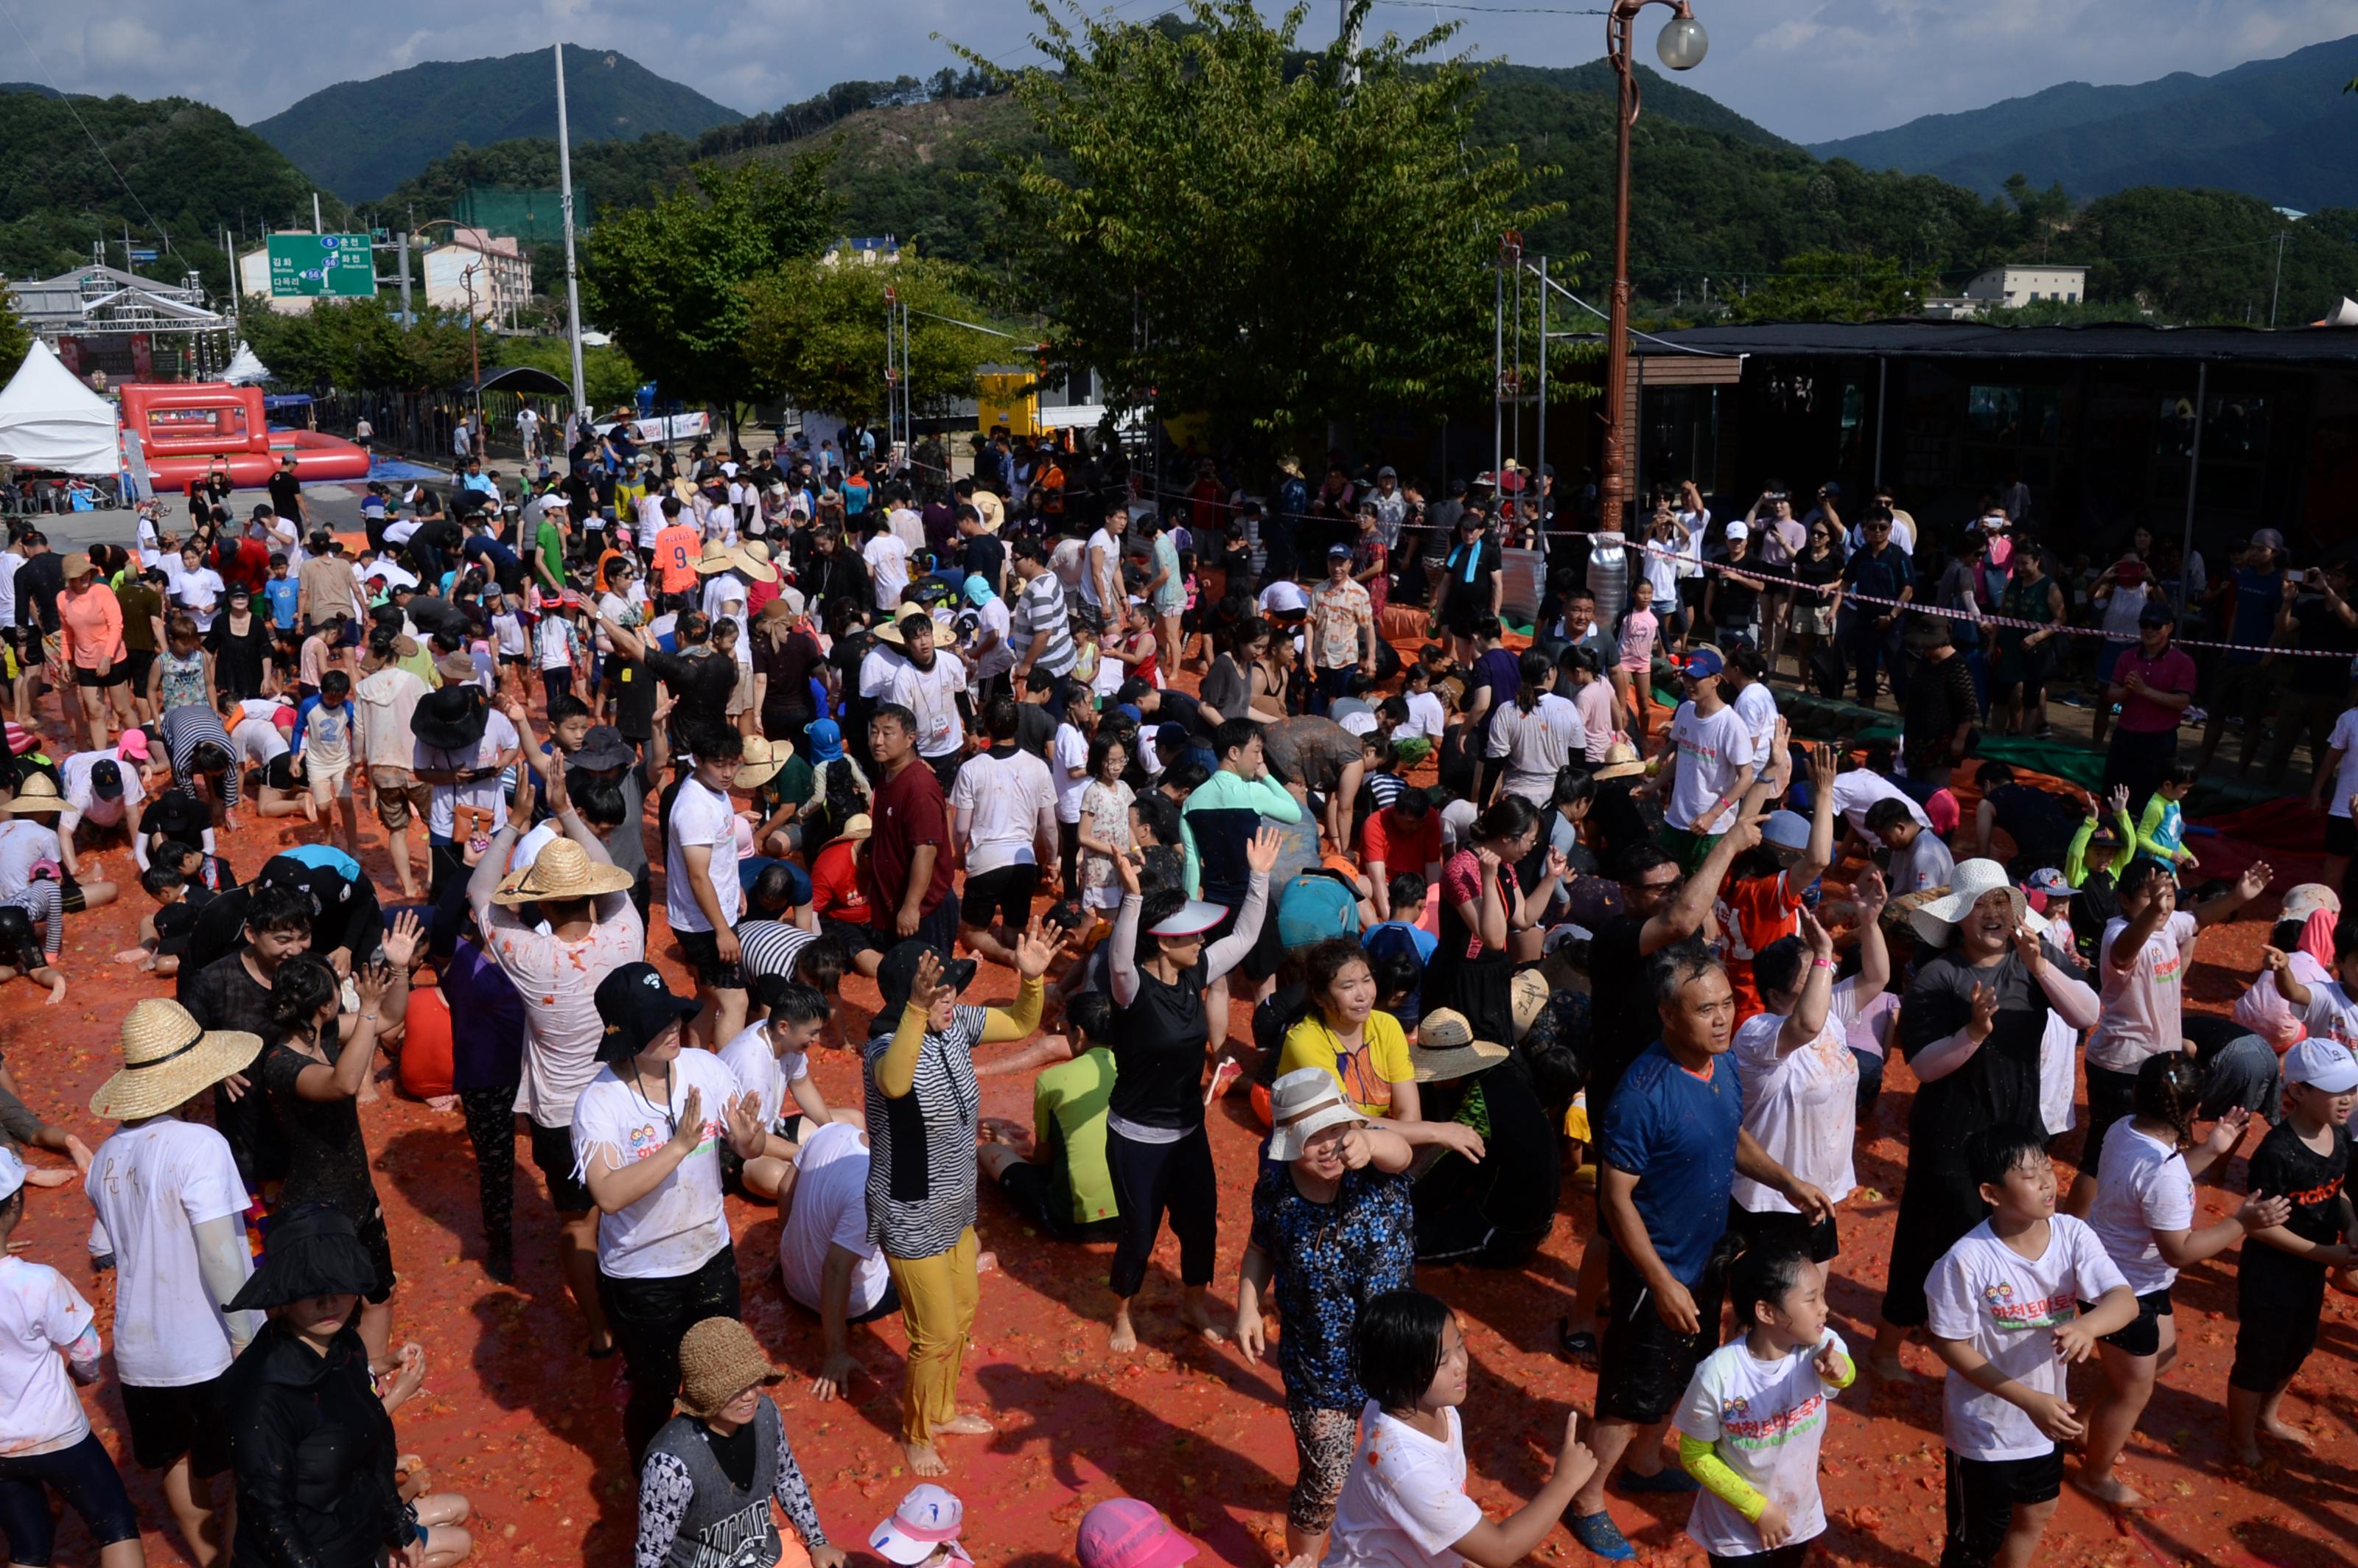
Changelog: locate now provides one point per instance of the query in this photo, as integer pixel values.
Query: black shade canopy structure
(1974, 339)
(517, 379)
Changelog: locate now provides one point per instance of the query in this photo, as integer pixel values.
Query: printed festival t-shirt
(679, 1225)
(1711, 751)
(1984, 1292)
(830, 1210)
(1766, 1421)
(2142, 1003)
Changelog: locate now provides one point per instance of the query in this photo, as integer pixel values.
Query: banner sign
(672, 428)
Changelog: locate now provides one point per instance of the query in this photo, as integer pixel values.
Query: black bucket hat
(450, 719)
(635, 1006)
(314, 1252)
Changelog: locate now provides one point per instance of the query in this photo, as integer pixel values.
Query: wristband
(1821, 964)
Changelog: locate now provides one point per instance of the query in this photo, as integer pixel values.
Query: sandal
(1598, 1535)
(1581, 1347)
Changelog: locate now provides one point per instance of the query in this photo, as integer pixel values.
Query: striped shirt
(1040, 617)
(769, 948)
(921, 1160)
(183, 729)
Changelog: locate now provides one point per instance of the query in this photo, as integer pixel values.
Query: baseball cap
(106, 780)
(2046, 879)
(2321, 1063)
(2268, 537)
(2157, 615)
(1339, 551)
(1785, 830)
(635, 1006)
(928, 1518)
(1738, 530)
(12, 1179)
(1703, 664)
(1123, 1533)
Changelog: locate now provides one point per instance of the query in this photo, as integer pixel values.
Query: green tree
(1836, 285)
(666, 280)
(16, 342)
(1231, 228)
(608, 375)
(357, 344)
(817, 333)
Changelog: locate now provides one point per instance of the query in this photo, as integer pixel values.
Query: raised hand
(2228, 1131)
(743, 1114)
(401, 941)
(1261, 855)
(2255, 880)
(1125, 866)
(1355, 1150)
(2029, 947)
(1985, 1003)
(929, 975)
(1033, 950)
(372, 980)
(1830, 1363)
(2120, 800)
(1868, 894)
(2275, 959)
(689, 1133)
(1824, 764)
(1815, 936)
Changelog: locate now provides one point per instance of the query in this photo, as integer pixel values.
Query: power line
(67, 99)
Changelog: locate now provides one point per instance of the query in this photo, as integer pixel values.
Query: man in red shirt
(1403, 836)
(2152, 682)
(907, 873)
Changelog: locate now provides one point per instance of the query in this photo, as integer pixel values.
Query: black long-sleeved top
(314, 1451)
(39, 583)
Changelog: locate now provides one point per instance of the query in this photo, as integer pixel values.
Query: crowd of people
(1501, 929)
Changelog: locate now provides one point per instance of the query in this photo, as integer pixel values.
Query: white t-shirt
(2006, 1305)
(1767, 1419)
(201, 592)
(1103, 560)
(258, 741)
(2345, 777)
(1803, 1107)
(481, 794)
(830, 1209)
(2058, 1075)
(152, 1186)
(1711, 750)
(2142, 1186)
(2142, 1003)
(1923, 865)
(1760, 711)
(24, 844)
(507, 630)
(701, 816)
(878, 667)
(1424, 716)
(721, 590)
(1069, 755)
(2331, 1013)
(1857, 790)
(40, 1314)
(1005, 795)
(555, 637)
(1000, 657)
(888, 567)
(679, 1225)
(761, 1071)
(932, 695)
(1537, 745)
(1403, 1504)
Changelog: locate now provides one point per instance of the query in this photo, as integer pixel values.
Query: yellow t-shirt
(1366, 1075)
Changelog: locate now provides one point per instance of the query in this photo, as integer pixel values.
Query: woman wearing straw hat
(171, 1210)
(310, 1433)
(712, 1472)
(1331, 1231)
(1969, 1025)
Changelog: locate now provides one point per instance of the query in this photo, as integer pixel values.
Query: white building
(867, 250)
(2010, 287)
(501, 274)
(254, 282)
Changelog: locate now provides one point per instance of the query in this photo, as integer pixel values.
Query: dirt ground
(515, 1415)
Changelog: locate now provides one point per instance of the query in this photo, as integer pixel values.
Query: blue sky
(1809, 70)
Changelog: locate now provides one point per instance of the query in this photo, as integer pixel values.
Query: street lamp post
(1680, 47)
(474, 358)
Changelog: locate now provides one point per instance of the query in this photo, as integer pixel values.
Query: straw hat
(888, 631)
(168, 1057)
(563, 869)
(75, 564)
(752, 560)
(37, 794)
(762, 762)
(716, 557)
(859, 826)
(718, 1362)
(1445, 1048)
(1936, 919)
(1621, 761)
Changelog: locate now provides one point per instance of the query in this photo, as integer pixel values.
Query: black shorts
(2112, 1097)
(1817, 1241)
(116, 675)
(70, 897)
(2341, 836)
(1035, 1194)
(380, 1251)
(1644, 1365)
(168, 1422)
(2279, 1299)
(1983, 1496)
(701, 949)
(137, 662)
(1003, 895)
(279, 774)
(2142, 1337)
(856, 939)
(552, 1155)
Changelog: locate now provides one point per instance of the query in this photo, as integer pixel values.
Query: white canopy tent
(49, 419)
(245, 368)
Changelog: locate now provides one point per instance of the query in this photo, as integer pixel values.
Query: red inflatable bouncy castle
(190, 429)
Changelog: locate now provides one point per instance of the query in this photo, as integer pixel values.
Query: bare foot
(2282, 1434)
(40, 1176)
(1890, 1369)
(967, 1425)
(923, 1459)
(1124, 1338)
(311, 810)
(1198, 1316)
(2111, 1491)
(2249, 1458)
(131, 955)
(985, 1264)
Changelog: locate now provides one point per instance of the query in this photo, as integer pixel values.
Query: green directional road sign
(336, 265)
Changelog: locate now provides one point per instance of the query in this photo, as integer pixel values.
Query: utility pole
(401, 253)
(572, 279)
(316, 226)
(1349, 29)
(2276, 293)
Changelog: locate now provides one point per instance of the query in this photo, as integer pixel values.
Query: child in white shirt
(2006, 1317)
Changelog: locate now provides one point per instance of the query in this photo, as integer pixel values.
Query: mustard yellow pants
(938, 1296)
